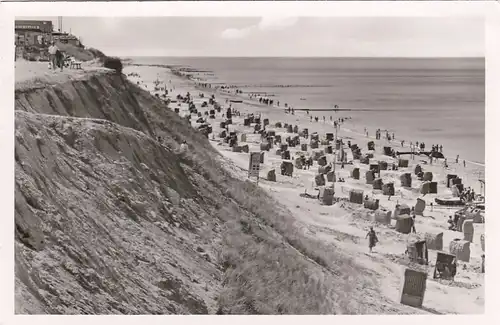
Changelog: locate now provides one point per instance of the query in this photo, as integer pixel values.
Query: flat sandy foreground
(344, 224)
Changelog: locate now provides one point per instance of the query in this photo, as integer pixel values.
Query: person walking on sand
(464, 163)
(413, 224)
(372, 239)
(456, 161)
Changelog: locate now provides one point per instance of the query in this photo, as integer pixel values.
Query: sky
(280, 36)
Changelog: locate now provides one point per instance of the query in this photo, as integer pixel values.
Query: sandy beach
(344, 224)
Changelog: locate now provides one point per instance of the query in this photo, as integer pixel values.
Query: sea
(435, 101)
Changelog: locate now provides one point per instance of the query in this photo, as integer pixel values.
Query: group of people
(336, 122)
(56, 57)
(437, 148)
(420, 145)
(417, 144)
(378, 135)
(266, 101)
(468, 195)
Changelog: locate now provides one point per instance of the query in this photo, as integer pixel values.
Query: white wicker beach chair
(75, 64)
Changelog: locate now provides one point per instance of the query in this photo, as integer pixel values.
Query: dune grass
(313, 278)
(79, 53)
(113, 63)
(270, 267)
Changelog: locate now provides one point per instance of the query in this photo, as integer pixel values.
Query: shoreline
(474, 172)
(355, 127)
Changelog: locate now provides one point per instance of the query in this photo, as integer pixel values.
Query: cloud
(266, 23)
(235, 33)
(276, 23)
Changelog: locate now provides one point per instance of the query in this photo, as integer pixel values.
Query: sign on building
(44, 26)
(254, 165)
(413, 288)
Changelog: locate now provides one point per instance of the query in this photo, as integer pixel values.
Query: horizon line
(301, 57)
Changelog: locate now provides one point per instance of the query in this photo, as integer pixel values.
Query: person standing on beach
(372, 239)
(464, 163)
(59, 59)
(456, 161)
(52, 54)
(451, 224)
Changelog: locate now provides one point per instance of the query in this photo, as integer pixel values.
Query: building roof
(45, 26)
(64, 35)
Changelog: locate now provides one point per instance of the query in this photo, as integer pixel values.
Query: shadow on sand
(432, 311)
